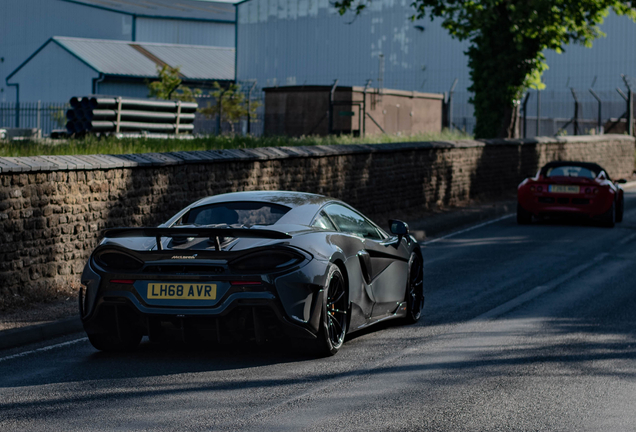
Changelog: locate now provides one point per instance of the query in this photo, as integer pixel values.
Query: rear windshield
(571, 171)
(235, 213)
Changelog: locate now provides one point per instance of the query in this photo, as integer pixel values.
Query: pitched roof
(140, 59)
(180, 9)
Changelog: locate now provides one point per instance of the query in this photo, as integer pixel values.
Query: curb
(443, 223)
(22, 336)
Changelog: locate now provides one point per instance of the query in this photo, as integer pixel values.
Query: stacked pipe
(117, 114)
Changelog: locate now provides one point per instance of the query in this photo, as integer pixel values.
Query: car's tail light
(532, 188)
(117, 261)
(595, 191)
(266, 261)
(588, 190)
(122, 281)
(246, 283)
(539, 188)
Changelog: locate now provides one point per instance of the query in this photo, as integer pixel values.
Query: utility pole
(249, 106)
(630, 106)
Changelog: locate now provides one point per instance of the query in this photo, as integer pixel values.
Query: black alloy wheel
(333, 326)
(415, 290)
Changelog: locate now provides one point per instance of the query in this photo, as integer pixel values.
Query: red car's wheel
(524, 217)
(608, 218)
(620, 209)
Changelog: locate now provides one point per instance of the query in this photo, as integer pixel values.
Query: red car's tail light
(246, 283)
(588, 190)
(539, 188)
(122, 281)
(532, 188)
(595, 190)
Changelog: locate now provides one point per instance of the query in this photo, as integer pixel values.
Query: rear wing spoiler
(216, 233)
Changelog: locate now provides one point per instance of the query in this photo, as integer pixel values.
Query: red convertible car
(571, 188)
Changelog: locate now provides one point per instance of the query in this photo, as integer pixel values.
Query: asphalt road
(525, 328)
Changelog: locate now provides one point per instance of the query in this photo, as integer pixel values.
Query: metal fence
(39, 115)
(50, 116)
(210, 126)
(573, 112)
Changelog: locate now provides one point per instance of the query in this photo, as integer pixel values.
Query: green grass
(92, 145)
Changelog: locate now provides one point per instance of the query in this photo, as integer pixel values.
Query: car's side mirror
(621, 181)
(399, 228)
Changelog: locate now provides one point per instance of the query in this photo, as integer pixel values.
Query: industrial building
(306, 42)
(27, 25)
(78, 66)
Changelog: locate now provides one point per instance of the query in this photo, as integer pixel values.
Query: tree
(170, 85)
(231, 104)
(507, 42)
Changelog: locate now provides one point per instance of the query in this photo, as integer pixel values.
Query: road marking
(465, 327)
(43, 349)
(626, 240)
(537, 291)
(466, 230)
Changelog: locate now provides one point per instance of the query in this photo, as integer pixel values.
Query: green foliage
(170, 87)
(507, 41)
(59, 117)
(231, 104)
(111, 145)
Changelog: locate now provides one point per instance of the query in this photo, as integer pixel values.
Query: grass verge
(93, 145)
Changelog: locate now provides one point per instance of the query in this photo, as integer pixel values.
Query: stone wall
(53, 209)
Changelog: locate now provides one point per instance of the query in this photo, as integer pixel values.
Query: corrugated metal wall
(129, 89)
(305, 42)
(26, 25)
(185, 32)
(292, 42)
(65, 76)
(295, 42)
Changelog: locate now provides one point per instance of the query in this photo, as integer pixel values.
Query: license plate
(186, 291)
(564, 189)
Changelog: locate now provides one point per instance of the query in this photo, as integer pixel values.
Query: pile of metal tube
(105, 115)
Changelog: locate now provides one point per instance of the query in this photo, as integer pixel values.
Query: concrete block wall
(53, 208)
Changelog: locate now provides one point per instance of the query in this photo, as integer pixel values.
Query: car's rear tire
(608, 219)
(414, 290)
(112, 342)
(334, 316)
(524, 217)
(620, 209)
